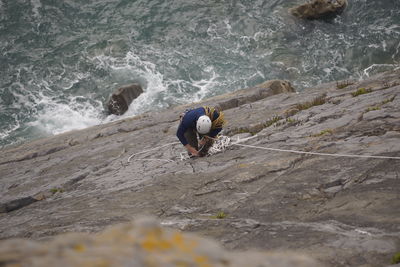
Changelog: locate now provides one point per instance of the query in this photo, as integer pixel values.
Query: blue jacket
(189, 121)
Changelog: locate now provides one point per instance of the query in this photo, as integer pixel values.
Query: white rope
(148, 150)
(317, 153)
(223, 142)
(219, 145)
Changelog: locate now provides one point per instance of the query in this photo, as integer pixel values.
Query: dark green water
(60, 60)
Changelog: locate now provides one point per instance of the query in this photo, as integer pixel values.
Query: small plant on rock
(292, 121)
(323, 132)
(220, 215)
(361, 91)
(388, 100)
(272, 120)
(373, 108)
(344, 84)
(242, 130)
(56, 190)
(388, 85)
(396, 258)
(320, 100)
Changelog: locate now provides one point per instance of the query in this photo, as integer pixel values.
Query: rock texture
(319, 9)
(139, 244)
(341, 211)
(121, 98)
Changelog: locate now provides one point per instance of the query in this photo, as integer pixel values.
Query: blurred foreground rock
(121, 98)
(140, 244)
(319, 9)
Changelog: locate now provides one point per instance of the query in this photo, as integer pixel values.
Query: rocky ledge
(338, 206)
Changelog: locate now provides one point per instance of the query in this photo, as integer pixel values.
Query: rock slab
(342, 211)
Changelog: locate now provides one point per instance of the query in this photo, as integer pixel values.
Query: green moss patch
(220, 215)
(361, 91)
(373, 108)
(390, 99)
(323, 132)
(396, 258)
(56, 190)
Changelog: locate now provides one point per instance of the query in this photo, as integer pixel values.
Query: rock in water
(122, 97)
(319, 9)
(277, 87)
(143, 243)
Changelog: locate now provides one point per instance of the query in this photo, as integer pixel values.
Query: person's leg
(191, 137)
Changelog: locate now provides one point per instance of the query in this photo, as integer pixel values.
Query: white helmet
(203, 125)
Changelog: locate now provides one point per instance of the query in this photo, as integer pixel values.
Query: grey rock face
(250, 95)
(319, 9)
(342, 211)
(121, 98)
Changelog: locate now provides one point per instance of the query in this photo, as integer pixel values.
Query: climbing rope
(317, 153)
(148, 150)
(223, 142)
(237, 143)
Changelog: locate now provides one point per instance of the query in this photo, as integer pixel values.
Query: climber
(206, 122)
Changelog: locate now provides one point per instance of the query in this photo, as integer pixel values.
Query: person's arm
(183, 126)
(180, 133)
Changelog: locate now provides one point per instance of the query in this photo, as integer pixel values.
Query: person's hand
(203, 141)
(195, 154)
(192, 150)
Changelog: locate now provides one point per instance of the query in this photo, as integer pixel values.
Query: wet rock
(121, 98)
(274, 87)
(319, 9)
(144, 243)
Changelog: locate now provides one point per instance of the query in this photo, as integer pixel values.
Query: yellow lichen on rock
(143, 243)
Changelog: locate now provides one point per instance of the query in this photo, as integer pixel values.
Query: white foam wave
(11, 129)
(136, 69)
(36, 4)
(377, 68)
(205, 85)
(76, 113)
(159, 92)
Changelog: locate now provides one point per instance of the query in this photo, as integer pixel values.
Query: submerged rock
(319, 9)
(277, 87)
(121, 98)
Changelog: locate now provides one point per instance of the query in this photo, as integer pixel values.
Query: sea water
(61, 60)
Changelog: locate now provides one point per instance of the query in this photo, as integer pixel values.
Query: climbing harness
(223, 142)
